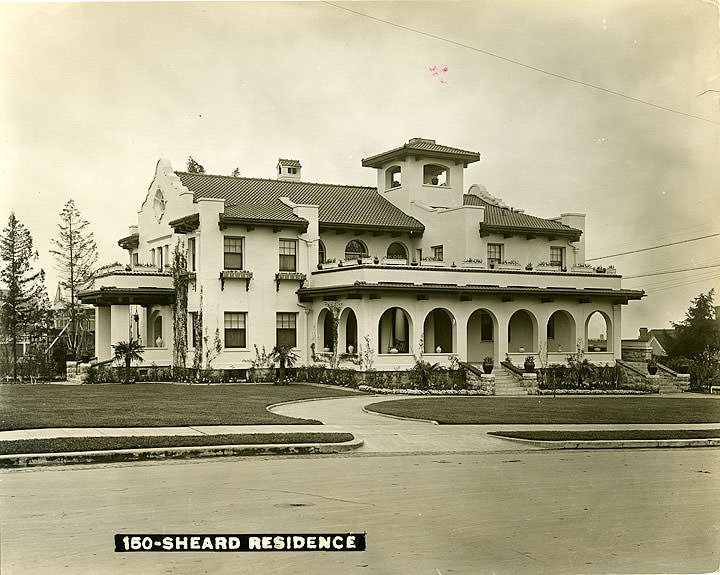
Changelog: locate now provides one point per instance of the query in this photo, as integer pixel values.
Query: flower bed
(414, 391)
(650, 389)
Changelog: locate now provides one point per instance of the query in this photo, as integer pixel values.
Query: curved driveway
(383, 434)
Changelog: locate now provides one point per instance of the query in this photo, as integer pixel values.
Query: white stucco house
(421, 263)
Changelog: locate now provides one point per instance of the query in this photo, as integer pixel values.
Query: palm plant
(286, 357)
(127, 352)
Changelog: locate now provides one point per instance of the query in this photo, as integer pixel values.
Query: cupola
(288, 170)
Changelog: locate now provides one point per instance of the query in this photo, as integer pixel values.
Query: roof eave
(185, 224)
(224, 221)
(379, 160)
(572, 234)
(129, 242)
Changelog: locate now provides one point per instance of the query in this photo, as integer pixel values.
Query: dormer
(422, 172)
(288, 170)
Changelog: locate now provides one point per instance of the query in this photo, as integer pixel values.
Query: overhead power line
(519, 63)
(652, 248)
(671, 272)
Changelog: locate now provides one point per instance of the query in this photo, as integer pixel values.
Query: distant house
(649, 343)
(85, 321)
(418, 264)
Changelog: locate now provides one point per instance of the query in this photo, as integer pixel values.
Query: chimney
(288, 170)
(643, 333)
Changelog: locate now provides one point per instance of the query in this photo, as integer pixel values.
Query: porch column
(119, 323)
(103, 351)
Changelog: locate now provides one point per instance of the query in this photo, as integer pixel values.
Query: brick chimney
(643, 334)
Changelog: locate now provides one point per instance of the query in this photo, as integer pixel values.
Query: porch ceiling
(621, 296)
(123, 296)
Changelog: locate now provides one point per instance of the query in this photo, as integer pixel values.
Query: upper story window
(160, 258)
(233, 253)
(135, 258)
(393, 177)
(435, 175)
(288, 255)
(437, 252)
(166, 259)
(191, 254)
(397, 251)
(495, 253)
(355, 249)
(557, 256)
(322, 254)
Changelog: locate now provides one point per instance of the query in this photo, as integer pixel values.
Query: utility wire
(671, 272)
(652, 247)
(518, 63)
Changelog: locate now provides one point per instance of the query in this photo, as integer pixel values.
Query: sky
(93, 94)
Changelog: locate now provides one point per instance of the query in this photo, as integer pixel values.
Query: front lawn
(149, 405)
(71, 444)
(544, 409)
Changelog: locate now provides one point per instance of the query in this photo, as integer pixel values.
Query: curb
(155, 453)
(370, 412)
(615, 444)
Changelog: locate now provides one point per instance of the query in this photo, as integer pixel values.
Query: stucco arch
(348, 331)
(482, 330)
(355, 248)
(593, 338)
(393, 251)
(560, 332)
(393, 177)
(523, 332)
(440, 331)
(395, 330)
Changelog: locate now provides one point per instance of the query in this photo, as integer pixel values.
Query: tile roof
(428, 147)
(258, 199)
(291, 163)
(506, 218)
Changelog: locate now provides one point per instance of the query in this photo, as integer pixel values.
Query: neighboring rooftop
(259, 199)
(428, 148)
(504, 219)
(289, 163)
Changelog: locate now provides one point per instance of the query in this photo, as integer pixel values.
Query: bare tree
(76, 255)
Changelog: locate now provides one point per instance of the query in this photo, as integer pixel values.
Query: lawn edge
(188, 452)
(613, 443)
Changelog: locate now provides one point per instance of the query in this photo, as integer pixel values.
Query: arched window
(322, 255)
(355, 249)
(393, 177)
(397, 251)
(435, 175)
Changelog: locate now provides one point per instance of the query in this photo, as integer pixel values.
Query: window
(321, 252)
(393, 177)
(136, 259)
(166, 259)
(286, 335)
(486, 328)
(434, 175)
(191, 254)
(193, 328)
(288, 255)
(396, 251)
(557, 256)
(437, 252)
(234, 329)
(551, 327)
(495, 253)
(233, 248)
(152, 256)
(355, 249)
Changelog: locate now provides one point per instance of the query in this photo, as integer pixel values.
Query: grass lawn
(149, 405)
(68, 444)
(543, 409)
(613, 434)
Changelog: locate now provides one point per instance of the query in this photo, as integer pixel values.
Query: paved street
(639, 511)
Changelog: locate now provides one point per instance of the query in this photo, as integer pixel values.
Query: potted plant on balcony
(529, 364)
(652, 366)
(488, 364)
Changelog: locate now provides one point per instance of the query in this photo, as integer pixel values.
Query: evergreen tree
(236, 173)
(193, 167)
(699, 331)
(76, 254)
(24, 296)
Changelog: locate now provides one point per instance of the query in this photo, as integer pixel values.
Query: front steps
(668, 380)
(504, 382)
